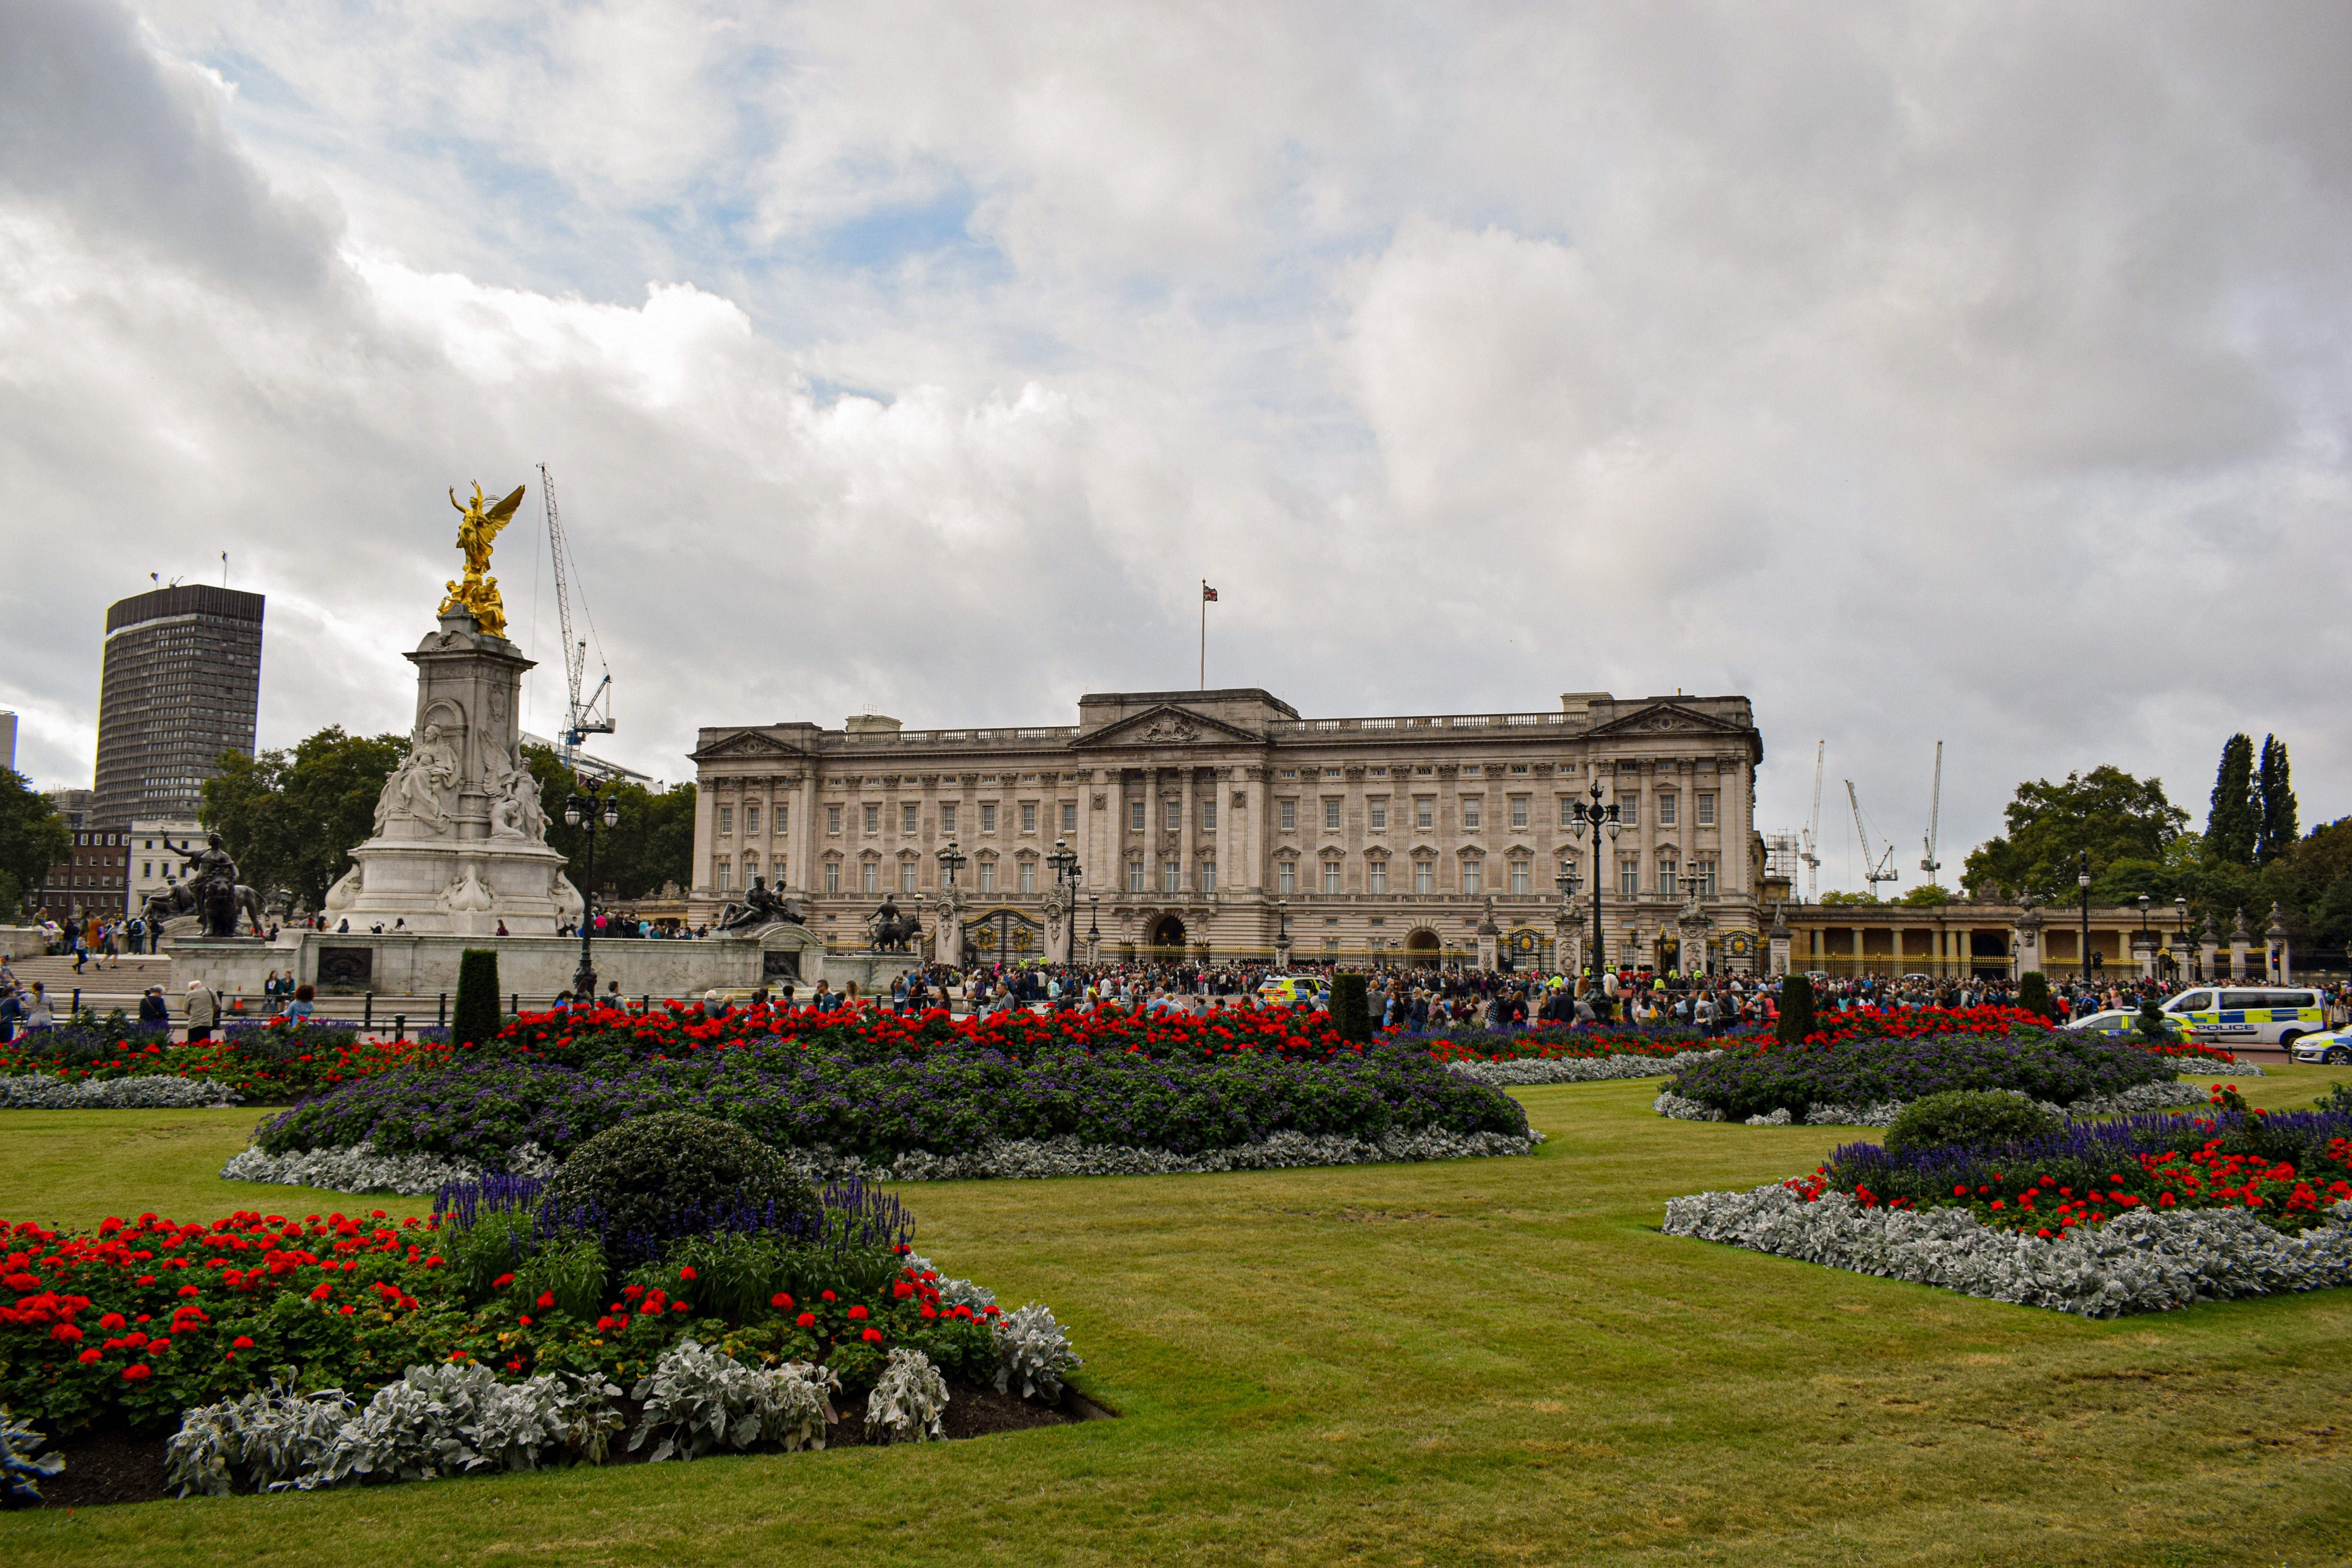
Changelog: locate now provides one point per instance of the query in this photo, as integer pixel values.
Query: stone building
(1215, 823)
(182, 684)
(1998, 941)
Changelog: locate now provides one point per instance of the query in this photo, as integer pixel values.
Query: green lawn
(1476, 1362)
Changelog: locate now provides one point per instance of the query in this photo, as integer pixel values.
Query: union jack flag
(1208, 594)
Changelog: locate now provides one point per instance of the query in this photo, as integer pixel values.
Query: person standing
(203, 1010)
(37, 1015)
(153, 1011)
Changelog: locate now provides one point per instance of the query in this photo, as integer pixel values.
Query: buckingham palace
(1217, 825)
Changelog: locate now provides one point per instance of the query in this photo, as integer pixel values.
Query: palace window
(1629, 810)
(1290, 772)
(1028, 876)
(1028, 816)
(1069, 817)
(1377, 813)
(1172, 877)
(1135, 875)
(905, 876)
(1703, 877)
(1667, 810)
(1208, 813)
(1135, 814)
(1667, 880)
(1330, 875)
(947, 817)
(1330, 773)
(1472, 771)
(833, 876)
(721, 874)
(1172, 813)
(1289, 815)
(783, 819)
(1376, 876)
(988, 817)
(905, 817)
(1286, 878)
(750, 820)
(1629, 877)
(726, 819)
(1473, 877)
(873, 823)
(869, 877)
(1519, 812)
(988, 875)
(1519, 878)
(1473, 812)
(1424, 811)
(1424, 876)
(1331, 813)
(1706, 808)
(1568, 811)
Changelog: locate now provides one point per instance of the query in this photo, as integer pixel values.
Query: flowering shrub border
(2131, 1101)
(42, 1091)
(1526, 1071)
(2142, 1262)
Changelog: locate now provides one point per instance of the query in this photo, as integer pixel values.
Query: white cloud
(1931, 372)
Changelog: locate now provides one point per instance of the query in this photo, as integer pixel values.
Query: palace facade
(1222, 825)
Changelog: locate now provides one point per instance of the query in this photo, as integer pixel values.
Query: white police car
(2332, 1046)
(2118, 1021)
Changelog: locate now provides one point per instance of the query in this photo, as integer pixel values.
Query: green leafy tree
(654, 842)
(2106, 814)
(1796, 1010)
(2275, 802)
(290, 819)
(1835, 897)
(2231, 823)
(2034, 993)
(1926, 896)
(476, 1018)
(33, 837)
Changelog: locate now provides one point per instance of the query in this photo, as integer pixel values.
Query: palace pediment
(746, 745)
(1167, 725)
(1664, 719)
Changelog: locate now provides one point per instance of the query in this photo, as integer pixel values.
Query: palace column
(1188, 875)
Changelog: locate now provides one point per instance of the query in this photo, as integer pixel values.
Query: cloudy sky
(1973, 373)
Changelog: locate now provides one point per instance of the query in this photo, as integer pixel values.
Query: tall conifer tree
(2277, 804)
(2233, 826)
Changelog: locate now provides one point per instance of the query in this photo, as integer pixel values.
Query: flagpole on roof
(1204, 633)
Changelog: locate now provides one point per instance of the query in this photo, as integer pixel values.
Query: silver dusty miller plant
(698, 1399)
(909, 1398)
(434, 1421)
(1032, 1353)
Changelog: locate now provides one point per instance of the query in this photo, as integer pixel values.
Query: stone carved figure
(424, 784)
(515, 811)
(477, 594)
(761, 906)
(893, 932)
(210, 876)
(180, 898)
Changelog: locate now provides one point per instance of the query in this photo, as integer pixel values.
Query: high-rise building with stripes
(182, 685)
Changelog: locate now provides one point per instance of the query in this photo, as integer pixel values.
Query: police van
(2233, 1015)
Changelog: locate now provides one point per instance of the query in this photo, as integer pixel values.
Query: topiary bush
(655, 1178)
(1351, 1010)
(2033, 995)
(1971, 1118)
(1796, 1009)
(476, 1019)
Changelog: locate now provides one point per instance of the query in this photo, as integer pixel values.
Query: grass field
(1476, 1362)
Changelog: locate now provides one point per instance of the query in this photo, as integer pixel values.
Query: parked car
(1289, 990)
(2119, 1021)
(2332, 1046)
(2248, 1015)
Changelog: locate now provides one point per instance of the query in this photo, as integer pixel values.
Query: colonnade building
(1215, 825)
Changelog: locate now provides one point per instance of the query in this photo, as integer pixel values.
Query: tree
(1926, 896)
(290, 819)
(33, 837)
(1834, 897)
(2276, 805)
(654, 842)
(2033, 995)
(1796, 1010)
(2106, 814)
(2231, 823)
(476, 1020)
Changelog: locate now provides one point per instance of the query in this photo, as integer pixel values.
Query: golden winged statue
(478, 593)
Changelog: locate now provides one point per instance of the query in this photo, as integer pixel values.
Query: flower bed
(942, 1103)
(1656, 1040)
(2063, 1068)
(127, 1326)
(1527, 1071)
(282, 1060)
(44, 1092)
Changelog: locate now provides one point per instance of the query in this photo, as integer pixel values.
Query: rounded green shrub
(1796, 1009)
(1352, 1008)
(1970, 1118)
(474, 1019)
(2033, 995)
(654, 1178)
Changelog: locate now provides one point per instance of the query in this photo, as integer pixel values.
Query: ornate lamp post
(2180, 943)
(1597, 818)
(952, 860)
(2082, 880)
(1282, 938)
(1064, 862)
(1094, 928)
(587, 810)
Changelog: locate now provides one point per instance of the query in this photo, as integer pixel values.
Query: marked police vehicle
(2121, 1021)
(2332, 1046)
(2248, 1015)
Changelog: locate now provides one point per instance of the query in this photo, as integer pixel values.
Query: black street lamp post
(1597, 818)
(2180, 944)
(588, 811)
(952, 860)
(2082, 880)
(1064, 862)
(1281, 937)
(1093, 927)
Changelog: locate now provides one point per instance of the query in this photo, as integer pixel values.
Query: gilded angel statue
(478, 528)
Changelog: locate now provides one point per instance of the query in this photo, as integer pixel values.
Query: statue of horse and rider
(209, 891)
(894, 932)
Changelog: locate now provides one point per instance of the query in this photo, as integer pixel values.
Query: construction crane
(1811, 852)
(582, 718)
(1880, 867)
(1928, 862)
